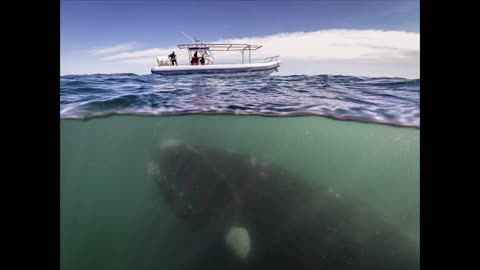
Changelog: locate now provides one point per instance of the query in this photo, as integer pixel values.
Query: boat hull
(228, 70)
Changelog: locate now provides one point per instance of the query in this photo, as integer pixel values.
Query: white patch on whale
(238, 240)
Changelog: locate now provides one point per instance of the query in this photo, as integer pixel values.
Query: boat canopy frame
(207, 48)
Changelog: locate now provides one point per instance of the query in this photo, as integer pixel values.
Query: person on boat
(202, 60)
(173, 58)
(195, 58)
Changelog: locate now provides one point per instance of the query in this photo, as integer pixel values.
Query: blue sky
(88, 27)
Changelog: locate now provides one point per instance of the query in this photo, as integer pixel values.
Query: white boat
(208, 67)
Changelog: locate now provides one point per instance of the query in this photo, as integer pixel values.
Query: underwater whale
(242, 213)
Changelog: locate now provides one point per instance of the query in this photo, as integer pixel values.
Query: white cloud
(336, 51)
(139, 54)
(315, 46)
(141, 61)
(114, 49)
(338, 45)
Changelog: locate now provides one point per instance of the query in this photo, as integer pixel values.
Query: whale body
(244, 213)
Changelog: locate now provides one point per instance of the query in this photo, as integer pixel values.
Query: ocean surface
(393, 101)
(114, 216)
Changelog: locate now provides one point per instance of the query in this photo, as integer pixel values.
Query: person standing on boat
(173, 58)
(195, 58)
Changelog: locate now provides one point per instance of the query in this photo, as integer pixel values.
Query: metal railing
(273, 58)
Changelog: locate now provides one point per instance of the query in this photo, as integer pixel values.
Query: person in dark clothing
(173, 58)
(195, 58)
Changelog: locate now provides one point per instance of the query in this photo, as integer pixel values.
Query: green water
(111, 213)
